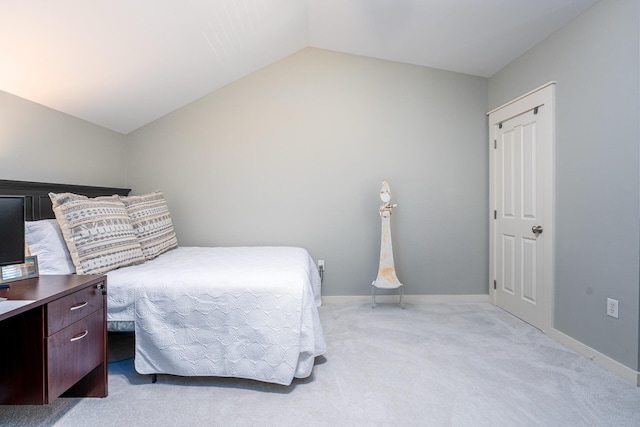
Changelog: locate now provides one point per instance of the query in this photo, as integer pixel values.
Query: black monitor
(11, 230)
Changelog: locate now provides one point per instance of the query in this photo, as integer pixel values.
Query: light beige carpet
(433, 364)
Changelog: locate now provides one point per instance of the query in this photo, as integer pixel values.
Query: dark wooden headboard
(37, 202)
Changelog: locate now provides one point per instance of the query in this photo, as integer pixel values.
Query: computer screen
(11, 230)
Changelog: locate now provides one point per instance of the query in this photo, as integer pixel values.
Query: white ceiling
(123, 63)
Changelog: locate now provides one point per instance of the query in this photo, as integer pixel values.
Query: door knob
(537, 230)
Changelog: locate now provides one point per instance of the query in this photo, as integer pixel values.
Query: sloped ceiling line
(122, 64)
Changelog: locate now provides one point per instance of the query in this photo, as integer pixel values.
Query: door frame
(543, 96)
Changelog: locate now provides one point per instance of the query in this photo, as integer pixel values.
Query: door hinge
(494, 285)
(495, 214)
(495, 144)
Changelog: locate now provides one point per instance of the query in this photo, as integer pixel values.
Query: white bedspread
(246, 312)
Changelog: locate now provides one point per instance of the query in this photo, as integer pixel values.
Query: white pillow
(45, 240)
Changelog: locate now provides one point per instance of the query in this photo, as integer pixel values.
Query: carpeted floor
(433, 364)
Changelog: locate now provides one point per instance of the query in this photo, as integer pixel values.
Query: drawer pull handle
(79, 336)
(78, 306)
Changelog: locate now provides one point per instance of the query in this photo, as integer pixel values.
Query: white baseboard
(596, 357)
(409, 299)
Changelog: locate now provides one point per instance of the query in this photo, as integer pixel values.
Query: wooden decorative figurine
(387, 278)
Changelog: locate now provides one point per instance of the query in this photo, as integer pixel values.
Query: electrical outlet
(612, 307)
(320, 264)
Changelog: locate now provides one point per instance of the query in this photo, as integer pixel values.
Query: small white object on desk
(9, 305)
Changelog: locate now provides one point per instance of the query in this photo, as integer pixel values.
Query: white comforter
(246, 312)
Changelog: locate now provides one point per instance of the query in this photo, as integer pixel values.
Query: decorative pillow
(98, 232)
(45, 240)
(149, 215)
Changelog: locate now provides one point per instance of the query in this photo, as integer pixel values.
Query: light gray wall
(295, 153)
(595, 60)
(41, 144)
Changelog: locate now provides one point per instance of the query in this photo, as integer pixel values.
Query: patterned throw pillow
(98, 232)
(149, 215)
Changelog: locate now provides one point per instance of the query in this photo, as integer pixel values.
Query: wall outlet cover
(612, 307)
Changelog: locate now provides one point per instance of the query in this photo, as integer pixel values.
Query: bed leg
(154, 378)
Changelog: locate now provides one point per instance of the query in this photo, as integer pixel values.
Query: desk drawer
(74, 351)
(66, 310)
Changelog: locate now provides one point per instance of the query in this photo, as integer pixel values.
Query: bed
(245, 312)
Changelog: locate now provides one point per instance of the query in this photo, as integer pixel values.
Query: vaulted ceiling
(124, 63)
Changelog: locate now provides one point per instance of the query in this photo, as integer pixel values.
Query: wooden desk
(55, 344)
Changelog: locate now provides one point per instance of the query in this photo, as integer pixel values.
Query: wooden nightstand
(55, 344)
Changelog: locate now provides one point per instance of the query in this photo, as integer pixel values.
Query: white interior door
(522, 201)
